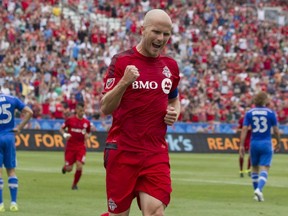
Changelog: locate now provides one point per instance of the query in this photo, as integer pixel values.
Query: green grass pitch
(203, 185)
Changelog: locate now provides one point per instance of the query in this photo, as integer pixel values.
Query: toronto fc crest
(167, 72)
(112, 205)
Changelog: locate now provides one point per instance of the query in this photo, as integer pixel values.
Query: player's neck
(140, 49)
(79, 117)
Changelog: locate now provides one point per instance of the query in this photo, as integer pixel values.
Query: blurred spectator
(226, 51)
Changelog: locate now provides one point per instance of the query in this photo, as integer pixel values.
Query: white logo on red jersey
(112, 205)
(85, 125)
(167, 72)
(144, 85)
(166, 85)
(109, 83)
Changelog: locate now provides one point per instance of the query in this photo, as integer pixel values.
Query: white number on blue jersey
(260, 124)
(5, 112)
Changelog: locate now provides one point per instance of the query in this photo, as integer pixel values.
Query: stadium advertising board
(194, 143)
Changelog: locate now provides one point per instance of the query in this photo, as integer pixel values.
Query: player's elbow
(105, 107)
(28, 112)
(105, 110)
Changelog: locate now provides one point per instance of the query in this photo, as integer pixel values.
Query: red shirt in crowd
(58, 114)
(45, 109)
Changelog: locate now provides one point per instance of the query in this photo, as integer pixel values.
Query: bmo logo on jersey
(165, 85)
(144, 85)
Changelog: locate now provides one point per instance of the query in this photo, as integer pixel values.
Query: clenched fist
(171, 116)
(131, 73)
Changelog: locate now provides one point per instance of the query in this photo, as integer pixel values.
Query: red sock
(77, 177)
(105, 214)
(241, 161)
(249, 163)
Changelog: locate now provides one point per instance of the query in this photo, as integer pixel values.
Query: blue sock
(1, 190)
(13, 187)
(262, 179)
(254, 177)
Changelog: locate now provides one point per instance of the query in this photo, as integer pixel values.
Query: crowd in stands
(225, 49)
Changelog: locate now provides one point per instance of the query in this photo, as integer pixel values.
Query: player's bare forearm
(27, 116)
(111, 100)
(277, 135)
(64, 133)
(87, 136)
(61, 130)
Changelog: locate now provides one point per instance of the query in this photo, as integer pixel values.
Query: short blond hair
(261, 98)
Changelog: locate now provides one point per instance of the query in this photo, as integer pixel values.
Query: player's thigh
(261, 153)
(2, 147)
(150, 205)
(121, 176)
(255, 154)
(9, 151)
(154, 178)
(81, 155)
(266, 157)
(70, 157)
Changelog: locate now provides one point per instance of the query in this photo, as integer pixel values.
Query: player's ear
(141, 30)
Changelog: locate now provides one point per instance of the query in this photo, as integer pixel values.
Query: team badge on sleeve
(109, 83)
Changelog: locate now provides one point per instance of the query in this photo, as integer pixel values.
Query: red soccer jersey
(248, 136)
(77, 128)
(138, 122)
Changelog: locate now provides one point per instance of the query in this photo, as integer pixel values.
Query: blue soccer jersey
(8, 105)
(261, 120)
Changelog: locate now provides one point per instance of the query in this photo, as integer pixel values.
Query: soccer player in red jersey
(246, 147)
(76, 130)
(141, 94)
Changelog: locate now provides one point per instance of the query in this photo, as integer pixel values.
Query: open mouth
(156, 46)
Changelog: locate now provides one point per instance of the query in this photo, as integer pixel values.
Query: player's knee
(79, 166)
(68, 168)
(157, 210)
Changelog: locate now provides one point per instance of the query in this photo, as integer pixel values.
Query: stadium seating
(223, 59)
